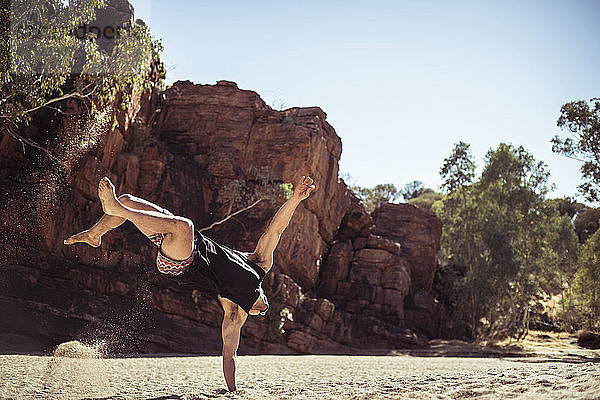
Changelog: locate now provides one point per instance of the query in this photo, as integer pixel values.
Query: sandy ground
(555, 372)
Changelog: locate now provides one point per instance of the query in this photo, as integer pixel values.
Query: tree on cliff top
(426, 199)
(413, 192)
(582, 121)
(44, 60)
(373, 197)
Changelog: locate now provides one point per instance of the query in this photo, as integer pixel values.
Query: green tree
(560, 261)
(43, 63)
(458, 170)
(373, 197)
(568, 206)
(497, 227)
(412, 190)
(425, 199)
(586, 219)
(582, 120)
(587, 283)
(587, 223)
(456, 209)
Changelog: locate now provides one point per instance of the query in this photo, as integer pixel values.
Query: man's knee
(185, 227)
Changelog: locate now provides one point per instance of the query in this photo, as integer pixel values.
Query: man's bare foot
(84, 237)
(106, 192)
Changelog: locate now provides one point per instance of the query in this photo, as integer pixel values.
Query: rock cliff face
(348, 280)
(343, 280)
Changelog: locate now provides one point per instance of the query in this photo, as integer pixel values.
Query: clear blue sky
(400, 81)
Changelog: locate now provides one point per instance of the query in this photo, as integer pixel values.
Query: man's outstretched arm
(269, 240)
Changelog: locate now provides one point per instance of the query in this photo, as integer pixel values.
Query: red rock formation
(348, 280)
(343, 280)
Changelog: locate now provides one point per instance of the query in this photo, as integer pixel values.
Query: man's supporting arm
(231, 328)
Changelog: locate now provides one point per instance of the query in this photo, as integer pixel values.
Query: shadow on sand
(459, 349)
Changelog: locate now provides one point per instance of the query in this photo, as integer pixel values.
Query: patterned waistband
(167, 265)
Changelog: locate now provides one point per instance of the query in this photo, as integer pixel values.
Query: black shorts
(219, 270)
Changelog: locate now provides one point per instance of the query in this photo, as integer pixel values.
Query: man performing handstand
(184, 251)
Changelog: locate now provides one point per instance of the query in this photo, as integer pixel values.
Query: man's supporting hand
(229, 372)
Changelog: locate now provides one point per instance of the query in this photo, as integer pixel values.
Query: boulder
(355, 220)
(396, 277)
(418, 231)
(337, 262)
(373, 256)
(379, 242)
(285, 288)
(366, 273)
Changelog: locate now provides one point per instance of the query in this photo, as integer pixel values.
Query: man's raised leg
(93, 236)
(179, 239)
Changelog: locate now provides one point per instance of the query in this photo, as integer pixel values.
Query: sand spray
(76, 370)
(81, 369)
